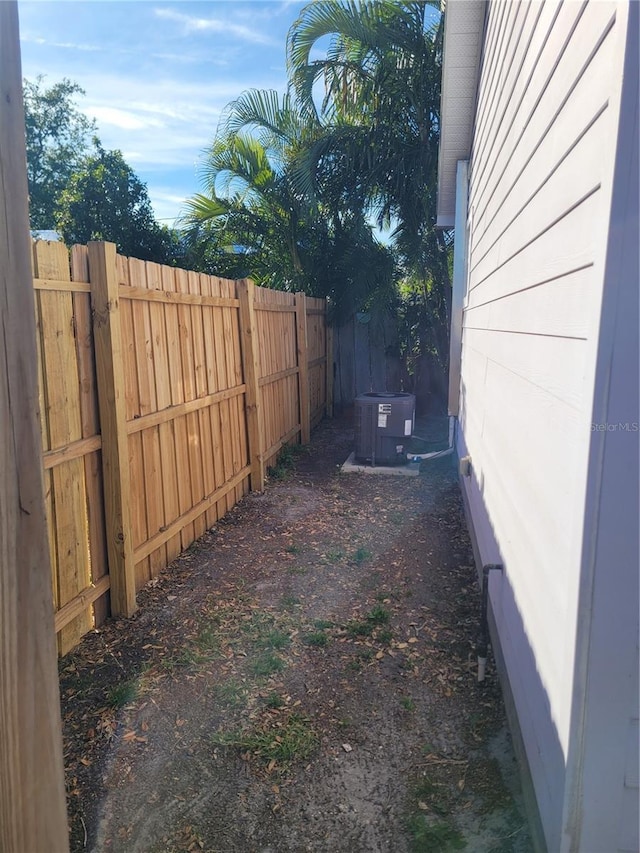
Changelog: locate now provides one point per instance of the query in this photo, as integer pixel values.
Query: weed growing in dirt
(231, 694)
(274, 701)
(361, 555)
(122, 694)
(384, 636)
(296, 570)
(334, 556)
(378, 615)
(407, 703)
(437, 837)
(318, 639)
(266, 664)
(274, 639)
(362, 658)
(293, 549)
(322, 624)
(292, 739)
(262, 632)
(287, 602)
(365, 628)
(359, 629)
(286, 461)
(435, 795)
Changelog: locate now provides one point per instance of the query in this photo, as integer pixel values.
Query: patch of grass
(378, 615)
(274, 701)
(293, 549)
(289, 601)
(274, 639)
(266, 664)
(262, 631)
(430, 793)
(293, 739)
(439, 837)
(362, 658)
(355, 628)
(122, 694)
(407, 703)
(322, 624)
(318, 639)
(285, 462)
(385, 635)
(361, 555)
(197, 650)
(231, 694)
(334, 556)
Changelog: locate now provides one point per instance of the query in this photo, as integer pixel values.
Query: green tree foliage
(380, 133)
(254, 220)
(57, 138)
(105, 200)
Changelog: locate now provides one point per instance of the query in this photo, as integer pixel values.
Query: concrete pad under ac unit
(353, 467)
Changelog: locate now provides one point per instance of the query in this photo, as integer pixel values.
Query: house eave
(463, 32)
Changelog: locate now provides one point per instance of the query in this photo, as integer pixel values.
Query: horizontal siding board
(559, 307)
(575, 177)
(550, 365)
(550, 139)
(554, 253)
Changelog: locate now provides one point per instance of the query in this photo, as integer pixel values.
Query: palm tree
(379, 116)
(257, 219)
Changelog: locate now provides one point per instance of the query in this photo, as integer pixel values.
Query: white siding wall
(539, 203)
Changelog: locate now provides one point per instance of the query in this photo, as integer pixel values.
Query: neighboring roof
(463, 31)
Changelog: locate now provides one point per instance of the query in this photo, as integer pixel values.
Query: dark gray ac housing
(384, 423)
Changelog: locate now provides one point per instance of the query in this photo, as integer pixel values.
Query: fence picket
(111, 397)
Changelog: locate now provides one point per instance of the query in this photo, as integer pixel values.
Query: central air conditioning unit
(384, 425)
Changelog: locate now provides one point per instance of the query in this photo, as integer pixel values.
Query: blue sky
(157, 75)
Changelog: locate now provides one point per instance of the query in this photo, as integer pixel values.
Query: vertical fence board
(111, 398)
(90, 418)
(64, 425)
(147, 512)
(303, 371)
(253, 403)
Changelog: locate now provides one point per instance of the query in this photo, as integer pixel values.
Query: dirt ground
(301, 679)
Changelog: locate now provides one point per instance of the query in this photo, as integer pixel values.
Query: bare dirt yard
(303, 678)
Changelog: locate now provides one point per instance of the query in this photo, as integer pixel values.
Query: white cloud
(124, 119)
(216, 25)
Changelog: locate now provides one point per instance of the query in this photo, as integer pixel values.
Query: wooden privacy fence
(164, 397)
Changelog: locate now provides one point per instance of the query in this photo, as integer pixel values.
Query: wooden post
(32, 798)
(303, 368)
(115, 452)
(253, 407)
(329, 379)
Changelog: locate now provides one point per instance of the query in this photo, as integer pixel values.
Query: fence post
(303, 368)
(329, 353)
(32, 803)
(253, 406)
(115, 453)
